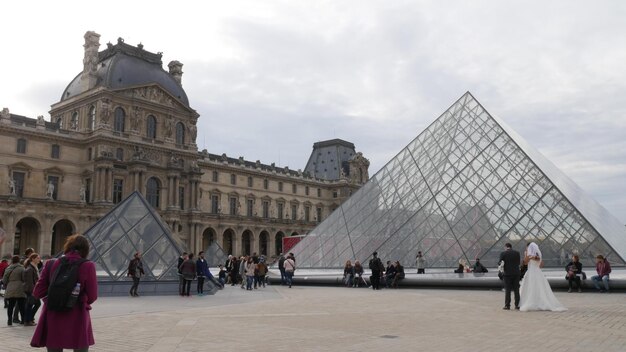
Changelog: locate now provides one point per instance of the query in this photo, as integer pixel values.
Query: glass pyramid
(214, 255)
(461, 189)
(130, 227)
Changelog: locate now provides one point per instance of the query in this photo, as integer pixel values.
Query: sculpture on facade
(11, 187)
(193, 132)
(40, 120)
(5, 113)
(134, 120)
(139, 153)
(50, 190)
(82, 192)
(105, 112)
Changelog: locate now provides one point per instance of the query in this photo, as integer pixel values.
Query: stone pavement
(346, 319)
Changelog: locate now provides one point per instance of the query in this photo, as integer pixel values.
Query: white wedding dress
(535, 291)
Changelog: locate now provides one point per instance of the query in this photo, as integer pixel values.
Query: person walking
(281, 268)
(4, 264)
(181, 280)
(242, 270)
(262, 271)
(135, 270)
(420, 263)
(511, 275)
(377, 268)
(290, 268)
(188, 270)
(30, 278)
(234, 270)
(14, 282)
(68, 329)
(250, 268)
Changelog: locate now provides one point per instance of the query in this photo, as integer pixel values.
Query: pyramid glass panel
(133, 226)
(461, 189)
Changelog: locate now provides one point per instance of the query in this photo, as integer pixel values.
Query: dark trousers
(31, 306)
(511, 283)
(576, 279)
(15, 304)
(181, 285)
(376, 280)
(420, 271)
(200, 284)
(186, 287)
(133, 288)
(283, 277)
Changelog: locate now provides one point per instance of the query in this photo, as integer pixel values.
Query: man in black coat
(377, 269)
(511, 259)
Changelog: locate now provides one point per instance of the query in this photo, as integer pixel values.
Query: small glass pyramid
(133, 226)
(214, 255)
(460, 190)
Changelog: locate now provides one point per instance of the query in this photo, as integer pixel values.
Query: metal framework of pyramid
(460, 190)
(215, 255)
(130, 227)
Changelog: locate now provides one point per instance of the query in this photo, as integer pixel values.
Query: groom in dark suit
(511, 259)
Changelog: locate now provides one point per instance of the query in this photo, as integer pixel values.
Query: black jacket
(511, 259)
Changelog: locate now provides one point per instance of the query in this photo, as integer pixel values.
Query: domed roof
(124, 65)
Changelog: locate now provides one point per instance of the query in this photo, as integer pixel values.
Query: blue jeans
(289, 277)
(249, 280)
(597, 279)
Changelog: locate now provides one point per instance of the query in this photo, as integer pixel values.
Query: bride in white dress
(535, 290)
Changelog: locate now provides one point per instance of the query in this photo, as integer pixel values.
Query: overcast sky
(270, 78)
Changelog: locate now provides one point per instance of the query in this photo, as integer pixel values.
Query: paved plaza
(308, 318)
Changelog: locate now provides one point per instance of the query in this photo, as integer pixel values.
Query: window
(294, 188)
(281, 207)
(151, 127)
(319, 214)
(319, 192)
(215, 204)
(21, 146)
(307, 215)
(120, 119)
(180, 133)
(118, 190)
(266, 209)
(294, 212)
(280, 186)
(54, 181)
(233, 179)
(55, 151)
(153, 190)
(232, 202)
(91, 119)
(306, 190)
(250, 207)
(181, 198)
(266, 184)
(18, 178)
(334, 194)
(119, 154)
(88, 190)
(74, 121)
(250, 181)
(216, 176)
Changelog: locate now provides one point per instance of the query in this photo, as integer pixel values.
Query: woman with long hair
(348, 273)
(31, 276)
(14, 282)
(71, 328)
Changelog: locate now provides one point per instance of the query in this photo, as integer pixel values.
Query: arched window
(151, 127)
(120, 117)
(180, 133)
(91, 119)
(153, 189)
(74, 121)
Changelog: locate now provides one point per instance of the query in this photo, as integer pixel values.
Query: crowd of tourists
(389, 275)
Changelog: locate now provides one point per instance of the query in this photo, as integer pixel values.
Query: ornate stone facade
(107, 140)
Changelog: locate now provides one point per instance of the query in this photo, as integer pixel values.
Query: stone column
(237, 250)
(9, 243)
(175, 191)
(45, 236)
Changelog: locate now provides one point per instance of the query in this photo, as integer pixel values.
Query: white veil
(533, 250)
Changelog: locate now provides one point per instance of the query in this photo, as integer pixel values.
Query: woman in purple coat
(69, 329)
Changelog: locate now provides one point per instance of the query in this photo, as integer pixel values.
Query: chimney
(176, 70)
(90, 62)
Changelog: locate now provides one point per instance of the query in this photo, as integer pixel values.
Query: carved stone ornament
(5, 113)
(135, 118)
(40, 120)
(193, 132)
(105, 111)
(169, 126)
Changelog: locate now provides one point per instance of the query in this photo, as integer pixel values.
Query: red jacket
(3, 267)
(70, 329)
(603, 268)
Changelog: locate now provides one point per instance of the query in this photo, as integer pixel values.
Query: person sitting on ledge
(479, 267)
(603, 268)
(348, 274)
(399, 274)
(390, 273)
(461, 268)
(358, 274)
(574, 273)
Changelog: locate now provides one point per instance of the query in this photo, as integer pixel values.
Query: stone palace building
(126, 124)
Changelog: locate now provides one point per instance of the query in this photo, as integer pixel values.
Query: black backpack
(62, 282)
